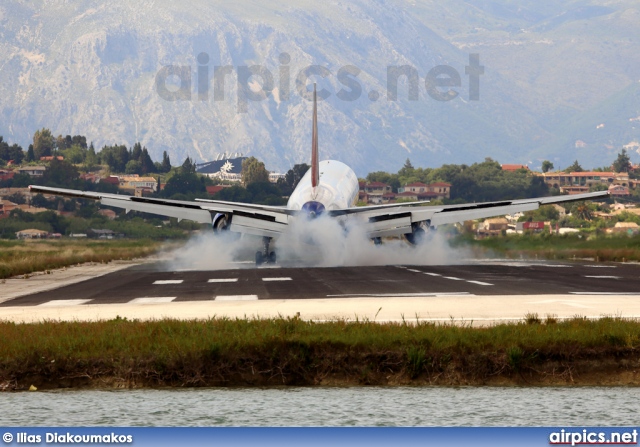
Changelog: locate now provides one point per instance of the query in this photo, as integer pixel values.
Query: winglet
(315, 168)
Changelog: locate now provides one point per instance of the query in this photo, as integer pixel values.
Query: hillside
(89, 67)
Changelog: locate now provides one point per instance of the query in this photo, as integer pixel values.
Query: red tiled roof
(214, 189)
(513, 167)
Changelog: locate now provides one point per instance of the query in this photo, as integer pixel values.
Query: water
(375, 406)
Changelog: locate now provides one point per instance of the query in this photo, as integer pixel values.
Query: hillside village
(69, 162)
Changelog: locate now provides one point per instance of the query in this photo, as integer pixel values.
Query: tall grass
(547, 246)
(24, 257)
(292, 351)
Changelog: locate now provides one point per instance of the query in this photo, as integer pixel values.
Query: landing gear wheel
(259, 258)
(272, 257)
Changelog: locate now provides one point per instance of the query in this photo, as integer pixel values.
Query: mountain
(550, 71)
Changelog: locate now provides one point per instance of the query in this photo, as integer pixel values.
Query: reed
(26, 257)
(290, 351)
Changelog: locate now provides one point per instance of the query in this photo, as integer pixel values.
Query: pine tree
(166, 162)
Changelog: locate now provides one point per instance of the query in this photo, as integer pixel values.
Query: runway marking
(168, 281)
(453, 278)
(602, 276)
(480, 283)
(419, 294)
(153, 299)
(605, 293)
(400, 266)
(414, 270)
(236, 298)
(602, 266)
(284, 278)
(432, 274)
(56, 303)
(224, 280)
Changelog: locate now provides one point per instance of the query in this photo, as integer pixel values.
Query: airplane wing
(389, 220)
(259, 220)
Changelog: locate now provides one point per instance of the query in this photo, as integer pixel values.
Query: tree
(253, 171)
(30, 153)
(61, 173)
(133, 167)
(547, 166)
(623, 162)
(116, 157)
(136, 152)
(43, 143)
(188, 167)
(293, 177)
(407, 169)
(575, 167)
(166, 163)
(146, 164)
(13, 152)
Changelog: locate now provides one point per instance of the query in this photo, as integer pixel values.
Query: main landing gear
(265, 256)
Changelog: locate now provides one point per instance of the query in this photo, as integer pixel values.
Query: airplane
(328, 188)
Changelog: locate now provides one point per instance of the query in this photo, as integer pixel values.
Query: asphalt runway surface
(148, 284)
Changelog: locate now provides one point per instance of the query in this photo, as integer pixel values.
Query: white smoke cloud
(320, 242)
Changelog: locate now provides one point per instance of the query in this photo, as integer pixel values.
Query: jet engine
(418, 232)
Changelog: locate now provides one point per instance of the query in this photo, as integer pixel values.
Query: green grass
(600, 248)
(295, 352)
(25, 257)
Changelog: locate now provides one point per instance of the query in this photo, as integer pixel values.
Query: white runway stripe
(432, 274)
(414, 270)
(602, 276)
(169, 281)
(223, 280)
(284, 278)
(453, 278)
(153, 299)
(236, 298)
(480, 283)
(56, 303)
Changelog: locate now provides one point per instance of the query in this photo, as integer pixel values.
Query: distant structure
(223, 167)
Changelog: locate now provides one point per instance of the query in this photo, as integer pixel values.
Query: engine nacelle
(418, 232)
(221, 222)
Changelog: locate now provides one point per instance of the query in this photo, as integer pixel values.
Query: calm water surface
(398, 406)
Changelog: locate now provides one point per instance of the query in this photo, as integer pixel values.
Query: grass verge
(289, 351)
(24, 257)
(545, 246)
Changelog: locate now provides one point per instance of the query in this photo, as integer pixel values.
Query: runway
(479, 291)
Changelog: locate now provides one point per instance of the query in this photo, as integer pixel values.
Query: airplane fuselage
(337, 189)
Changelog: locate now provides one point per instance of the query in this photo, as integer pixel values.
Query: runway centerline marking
(169, 281)
(223, 280)
(283, 278)
(236, 298)
(153, 299)
(602, 276)
(414, 270)
(480, 283)
(432, 274)
(56, 303)
(453, 278)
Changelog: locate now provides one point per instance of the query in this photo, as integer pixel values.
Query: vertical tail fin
(315, 168)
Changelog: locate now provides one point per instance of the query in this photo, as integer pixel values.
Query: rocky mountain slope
(552, 74)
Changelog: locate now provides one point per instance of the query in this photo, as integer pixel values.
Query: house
(581, 182)
(6, 175)
(629, 228)
(274, 177)
(33, 171)
(6, 207)
(31, 234)
(513, 168)
(438, 190)
(111, 180)
(493, 226)
(109, 214)
(619, 190)
(133, 182)
(51, 157)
